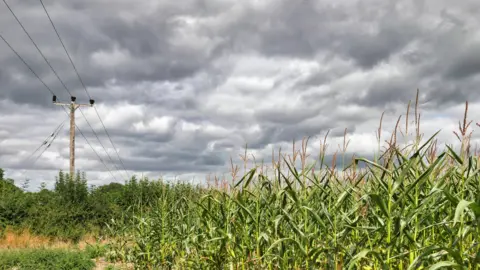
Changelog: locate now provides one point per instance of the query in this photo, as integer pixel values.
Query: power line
(50, 90)
(38, 49)
(55, 134)
(63, 84)
(63, 45)
(18, 55)
(45, 142)
(95, 152)
(110, 139)
(84, 87)
(48, 146)
(93, 149)
(100, 142)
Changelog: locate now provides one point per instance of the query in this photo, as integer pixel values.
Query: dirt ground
(102, 264)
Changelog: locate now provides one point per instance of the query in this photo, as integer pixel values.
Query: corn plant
(412, 207)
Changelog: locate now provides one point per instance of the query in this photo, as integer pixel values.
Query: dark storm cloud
(370, 49)
(285, 116)
(132, 137)
(211, 159)
(467, 64)
(391, 90)
(202, 164)
(304, 28)
(149, 56)
(335, 64)
(450, 93)
(285, 28)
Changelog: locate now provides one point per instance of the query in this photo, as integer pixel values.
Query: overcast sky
(183, 85)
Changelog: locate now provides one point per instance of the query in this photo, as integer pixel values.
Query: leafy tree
(12, 203)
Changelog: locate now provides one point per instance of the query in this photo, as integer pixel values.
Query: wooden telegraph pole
(73, 106)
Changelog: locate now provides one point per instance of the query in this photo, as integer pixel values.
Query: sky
(182, 86)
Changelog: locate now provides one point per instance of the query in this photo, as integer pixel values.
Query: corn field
(412, 207)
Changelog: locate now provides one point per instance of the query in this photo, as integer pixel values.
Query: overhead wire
(61, 81)
(45, 142)
(84, 87)
(55, 134)
(53, 93)
(34, 73)
(81, 133)
(93, 149)
(96, 135)
(35, 44)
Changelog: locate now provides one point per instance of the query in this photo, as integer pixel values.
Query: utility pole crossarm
(73, 106)
(73, 103)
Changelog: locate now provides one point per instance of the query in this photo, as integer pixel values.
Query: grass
(414, 206)
(14, 239)
(27, 251)
(43, 259)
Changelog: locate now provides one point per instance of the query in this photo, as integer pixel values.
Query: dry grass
(24, 239)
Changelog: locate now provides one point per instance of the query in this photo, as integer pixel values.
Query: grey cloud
(4, 152)
(211, 159)
(223, 144)
(316, 79)
(467, 64)
(370, 49)
(155, 151)
(392, 90)
(133, 137)
(151, 57)
(187, 148)
(271, 134)
(268, 134)
(171, 58)
(285, 116)
(304, 28)
(167, 165)
(449, 93)
(39, 165)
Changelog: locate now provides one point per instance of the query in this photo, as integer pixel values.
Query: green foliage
(410, 214)
(96, 250)
(45, 259)
(71, 209)
(62, 213)
(12, 204)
